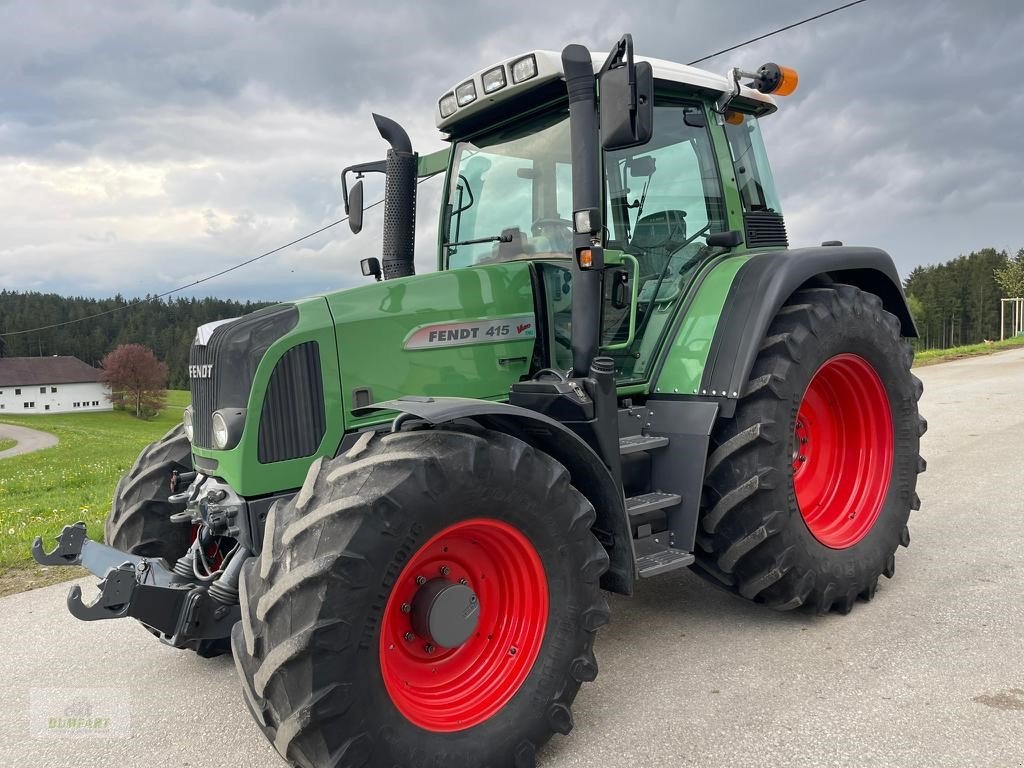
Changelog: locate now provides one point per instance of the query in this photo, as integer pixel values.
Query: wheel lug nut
(444, 570)
(421, 580)
(409, 636)
(428, 648)
(463, 582)
(406, 608)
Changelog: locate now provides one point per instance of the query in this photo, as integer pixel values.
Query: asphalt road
(28, 440)
(931, 673)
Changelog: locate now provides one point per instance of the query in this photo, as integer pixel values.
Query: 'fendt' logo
(200, 371)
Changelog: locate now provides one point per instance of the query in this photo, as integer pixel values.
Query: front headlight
(228, 424)
(186, 420)
(220, 431)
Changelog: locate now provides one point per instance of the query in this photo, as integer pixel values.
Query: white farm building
(57, 384)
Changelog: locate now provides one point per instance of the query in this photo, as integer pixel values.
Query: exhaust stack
(399, 200)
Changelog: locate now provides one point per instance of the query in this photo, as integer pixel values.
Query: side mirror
(627, 99)
(354, 207)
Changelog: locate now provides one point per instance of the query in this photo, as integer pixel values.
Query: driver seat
(656, 237)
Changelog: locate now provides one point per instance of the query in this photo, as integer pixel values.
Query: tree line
(958, 302)
(167, 327)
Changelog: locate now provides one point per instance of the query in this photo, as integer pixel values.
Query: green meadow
(42, 492)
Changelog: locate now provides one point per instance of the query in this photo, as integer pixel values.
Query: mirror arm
(359, 169)
(623, 48)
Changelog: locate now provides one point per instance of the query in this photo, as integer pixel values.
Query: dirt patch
(22, 579)
(1011, 699)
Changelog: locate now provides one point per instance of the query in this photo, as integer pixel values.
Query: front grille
(765, 228)
(204, 397)
(234, 351)
(294, 419)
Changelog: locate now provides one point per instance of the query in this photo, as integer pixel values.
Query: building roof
(59, 369)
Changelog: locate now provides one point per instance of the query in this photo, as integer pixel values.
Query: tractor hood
(291, 376)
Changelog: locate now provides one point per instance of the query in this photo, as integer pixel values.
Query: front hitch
(145, 589)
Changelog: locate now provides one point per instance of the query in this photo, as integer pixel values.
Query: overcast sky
(146, 144)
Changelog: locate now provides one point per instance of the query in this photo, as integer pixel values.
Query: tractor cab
(509, 195)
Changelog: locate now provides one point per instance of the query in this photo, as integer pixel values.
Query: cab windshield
(512, 193)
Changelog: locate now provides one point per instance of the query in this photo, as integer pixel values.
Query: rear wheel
(429, 598)
(809, 487)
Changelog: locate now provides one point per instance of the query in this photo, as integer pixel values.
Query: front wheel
(429, 598)
(140, 515)
(809, 487)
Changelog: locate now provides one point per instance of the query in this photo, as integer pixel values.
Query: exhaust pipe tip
(392, 133)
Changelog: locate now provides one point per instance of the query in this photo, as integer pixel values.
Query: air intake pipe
(399, 200)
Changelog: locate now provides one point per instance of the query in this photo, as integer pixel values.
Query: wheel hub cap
(445, 613)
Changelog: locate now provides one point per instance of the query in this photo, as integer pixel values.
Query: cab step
(635, 443)
(654, 556)
(637, 506)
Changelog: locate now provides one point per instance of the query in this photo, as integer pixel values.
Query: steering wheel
(559, 231)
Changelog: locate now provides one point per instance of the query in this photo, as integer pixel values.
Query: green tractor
(398, 505)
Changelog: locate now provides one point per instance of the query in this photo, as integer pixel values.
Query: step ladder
(654, 551)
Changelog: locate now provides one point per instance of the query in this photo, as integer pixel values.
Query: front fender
(589, 474)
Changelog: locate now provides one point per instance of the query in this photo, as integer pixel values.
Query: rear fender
(766, 281)
(589, 475)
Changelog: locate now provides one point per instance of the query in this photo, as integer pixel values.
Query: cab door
(662, 200)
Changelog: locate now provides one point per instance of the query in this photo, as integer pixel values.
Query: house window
(46, 407)
(53, 389)
(29, 404)
(17, 391)
(95, 402)
(42, 390)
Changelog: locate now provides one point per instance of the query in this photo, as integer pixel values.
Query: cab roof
(549, 68)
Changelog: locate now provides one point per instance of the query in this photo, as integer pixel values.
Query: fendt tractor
(397, 505)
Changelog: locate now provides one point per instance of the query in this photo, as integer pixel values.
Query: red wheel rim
(843, 451)
(450, 689)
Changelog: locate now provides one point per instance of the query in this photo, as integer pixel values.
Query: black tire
(753, 539)
(308, 646)
(139, 520)
(140, 516)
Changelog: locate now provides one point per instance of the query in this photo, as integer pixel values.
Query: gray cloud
(143, 145)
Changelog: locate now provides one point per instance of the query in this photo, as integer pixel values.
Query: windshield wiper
(502, 238)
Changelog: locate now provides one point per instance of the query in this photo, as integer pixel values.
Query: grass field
(6, 442)
(42, 492)
(931, 356)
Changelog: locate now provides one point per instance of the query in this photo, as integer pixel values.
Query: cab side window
(750, 161)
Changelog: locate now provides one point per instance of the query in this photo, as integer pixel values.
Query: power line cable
(254, 259)
(777, 31)
(201, 280)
